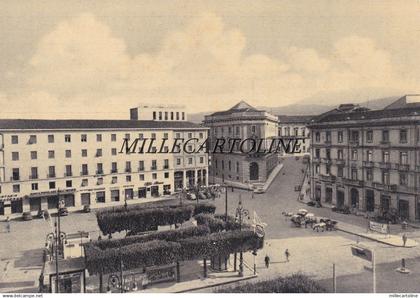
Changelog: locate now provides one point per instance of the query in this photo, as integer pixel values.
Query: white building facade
(81, 162)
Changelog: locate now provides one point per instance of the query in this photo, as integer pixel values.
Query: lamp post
(240, 213)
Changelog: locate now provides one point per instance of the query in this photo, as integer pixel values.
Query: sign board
(378, 227)
(362, 252)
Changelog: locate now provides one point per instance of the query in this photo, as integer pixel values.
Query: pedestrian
(404, 239)
(8, 225)
(287, 254)
(267, 261)
(306, 224)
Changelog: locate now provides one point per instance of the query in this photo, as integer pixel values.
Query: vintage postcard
(196, 146)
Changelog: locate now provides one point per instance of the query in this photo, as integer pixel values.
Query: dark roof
(295, 119)
(93, 124)
(366, 115)
(241, 106)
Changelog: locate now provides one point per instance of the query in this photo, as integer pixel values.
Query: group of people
(267, 258)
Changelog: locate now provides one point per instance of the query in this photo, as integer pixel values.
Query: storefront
(85, 199)
(142, 192)
(154, 191)
(179, 180)
(404, 209)
(129, 194)
(115, 195)
(100, 197)
(370, 200)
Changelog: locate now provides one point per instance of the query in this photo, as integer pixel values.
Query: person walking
(287, 254)
(267, 261)
(8, 225)
(404, 239)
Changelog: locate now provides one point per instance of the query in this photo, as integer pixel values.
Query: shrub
(171, 235)
(217, 223)
(296, 283)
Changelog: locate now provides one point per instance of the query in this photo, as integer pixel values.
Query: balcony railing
(99, 172)
(68, 174)
(327, 178)
(388, 187)
(353, 143)
(385, 143)
(84, 173)
(141, 169)
(385, 165)
(402, 167)
(32, 177)
(368, 164)
(354, 182)
(128, 170)
(340, 162)
(51, 175)
(153, 168)
(166, 167)
(113, 171)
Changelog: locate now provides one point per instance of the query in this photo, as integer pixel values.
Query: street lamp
(241, 212)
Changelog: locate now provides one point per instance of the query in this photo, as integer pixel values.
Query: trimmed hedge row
(296, 283)
(160, 252)
(217, 223)
(138, 255)
(140, 220)
(170, 235)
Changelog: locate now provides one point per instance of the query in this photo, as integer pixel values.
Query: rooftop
(295, 118)
(368, 115)
(242, 106)
(28, 124)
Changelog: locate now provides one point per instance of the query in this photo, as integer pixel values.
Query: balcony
(153, 168)
(128, 170)
(99, 172)
(387, 187)
(33, 177)
(354, 143)
(402, 167)
(166, 167)
(385, 165)
(68, 174)
(385, 144)
(51, 175)
(327, 178)
(15, 178)
(84, 173)
(141, 169)
(326, 160)
(340, 162)
(353, 182)
(368, 164)
(113, 171)
(327, 143)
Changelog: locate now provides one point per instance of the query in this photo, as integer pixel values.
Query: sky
(96, 59)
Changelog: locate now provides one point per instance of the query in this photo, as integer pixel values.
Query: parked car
(311, 203)
(259, 189)
(63, 211)
(86, 209)
(26, 216)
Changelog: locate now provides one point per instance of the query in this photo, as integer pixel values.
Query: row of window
(166, 115)
(237, 130)
(99, 168)
(286, 131)
(403, 155)
(84, 137)
(385, 175)
(354, 136)
(85, 182)
(216, 164)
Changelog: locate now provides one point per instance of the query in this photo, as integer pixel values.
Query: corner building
(79, 162)
(238, 168)
(368, 160)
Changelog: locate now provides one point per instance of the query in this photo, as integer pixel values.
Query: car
(26, 216)
(63, 211)
(86, 209)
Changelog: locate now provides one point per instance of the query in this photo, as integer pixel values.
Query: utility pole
(334, 279)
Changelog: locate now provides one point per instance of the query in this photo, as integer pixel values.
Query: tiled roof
(10, 124)
(367, 115)
(242, 106)
(295, 119)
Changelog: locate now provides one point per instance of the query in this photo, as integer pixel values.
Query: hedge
(170, 235)
(161, 252)
(145, 219)
(222, 243)
(296, 283)
(217, 222)
(142, 220)
(138, 255)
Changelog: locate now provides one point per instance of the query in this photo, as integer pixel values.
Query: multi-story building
(295, 127)
(83, 162)
(368, 160)
(242, 121)
(159, 113)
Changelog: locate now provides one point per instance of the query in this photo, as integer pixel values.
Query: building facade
(83, 162)
(241, 122)
(368, 160)
(292, 127)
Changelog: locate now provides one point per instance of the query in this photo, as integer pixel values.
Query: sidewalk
(393, 240)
